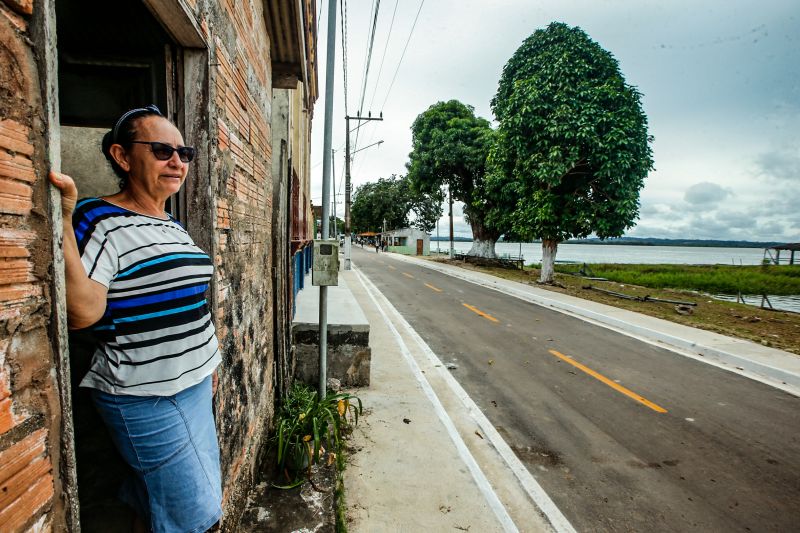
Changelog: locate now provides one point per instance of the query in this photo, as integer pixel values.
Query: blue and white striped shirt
(156, 337)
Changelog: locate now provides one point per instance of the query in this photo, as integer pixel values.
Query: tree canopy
(572, 148)
(449, 147)
(391, 199)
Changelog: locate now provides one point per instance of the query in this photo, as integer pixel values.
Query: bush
(305, 425)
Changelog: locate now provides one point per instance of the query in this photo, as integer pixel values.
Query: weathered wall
(29, 405)
(240, 93)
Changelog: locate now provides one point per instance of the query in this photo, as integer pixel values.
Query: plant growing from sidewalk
(305, 425)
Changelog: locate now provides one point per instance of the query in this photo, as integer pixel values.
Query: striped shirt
(156, 337)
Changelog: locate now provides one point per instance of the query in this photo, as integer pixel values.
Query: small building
(408, 241)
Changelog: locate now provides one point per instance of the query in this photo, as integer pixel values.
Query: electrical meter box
(325, 268)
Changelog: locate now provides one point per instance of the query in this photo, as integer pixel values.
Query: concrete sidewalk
(425, 458)
(773, 367)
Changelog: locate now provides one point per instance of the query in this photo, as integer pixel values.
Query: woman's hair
(123, 133)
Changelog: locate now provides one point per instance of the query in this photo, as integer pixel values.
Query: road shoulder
(422, 460)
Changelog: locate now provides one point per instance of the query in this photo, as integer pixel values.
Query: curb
(771, 375)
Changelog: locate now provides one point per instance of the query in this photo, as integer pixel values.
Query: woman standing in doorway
(135, 277)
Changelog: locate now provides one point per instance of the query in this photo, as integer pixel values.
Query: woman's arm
(86, 298)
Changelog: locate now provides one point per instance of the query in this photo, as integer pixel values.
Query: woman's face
(148, 175)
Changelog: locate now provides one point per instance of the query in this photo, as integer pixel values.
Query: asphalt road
(623, 435)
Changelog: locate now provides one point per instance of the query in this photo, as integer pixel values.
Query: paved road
(624, 436)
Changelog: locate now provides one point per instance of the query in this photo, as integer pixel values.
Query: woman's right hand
(69, 192)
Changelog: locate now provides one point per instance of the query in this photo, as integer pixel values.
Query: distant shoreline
(632, 241)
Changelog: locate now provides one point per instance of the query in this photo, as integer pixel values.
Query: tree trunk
(549, 248)
(483, 241)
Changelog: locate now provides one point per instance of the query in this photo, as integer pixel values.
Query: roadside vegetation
(310, 431)
(776, 329)
(711, 279)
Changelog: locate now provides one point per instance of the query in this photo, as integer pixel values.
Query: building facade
(239, 80)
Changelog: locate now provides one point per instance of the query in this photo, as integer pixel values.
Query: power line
(385, 48)
(403, 55)
(367, 62)
(343, 4)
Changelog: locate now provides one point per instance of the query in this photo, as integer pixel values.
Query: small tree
(450, 146)
(391, 200)
(572, 148)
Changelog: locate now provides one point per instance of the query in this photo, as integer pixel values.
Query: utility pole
(330, 65)
(347, 185)
(333, 183)
(452, 248)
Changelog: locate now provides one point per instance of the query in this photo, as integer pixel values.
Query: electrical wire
(367, 62)
(343, 4)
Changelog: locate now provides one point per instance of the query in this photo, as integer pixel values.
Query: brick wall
(29, 409)
(241, 93)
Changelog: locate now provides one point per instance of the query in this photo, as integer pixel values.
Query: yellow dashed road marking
(616, 386)
(481, 313)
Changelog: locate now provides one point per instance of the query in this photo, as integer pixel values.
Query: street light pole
(326, 180)
(348, 186)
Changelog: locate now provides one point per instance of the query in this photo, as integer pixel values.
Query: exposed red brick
(14, 137)
(16, 166)
(20, 6)
(19, 291)
(15, 197)
(15, 242)
(17, 485)
(17, 515)
(16, 271)
(7, 418)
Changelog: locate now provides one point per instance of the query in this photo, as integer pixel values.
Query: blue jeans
(170, 443)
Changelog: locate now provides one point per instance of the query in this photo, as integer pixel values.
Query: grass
(770, 328)
(711, 279)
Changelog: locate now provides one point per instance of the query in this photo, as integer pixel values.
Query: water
(619, 253)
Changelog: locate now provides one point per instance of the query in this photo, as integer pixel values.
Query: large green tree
(392, 200)
(572, 148)
(449, 148)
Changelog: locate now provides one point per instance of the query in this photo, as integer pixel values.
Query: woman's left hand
(214, 383)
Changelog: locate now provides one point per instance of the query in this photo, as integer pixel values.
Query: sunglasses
(163, 151)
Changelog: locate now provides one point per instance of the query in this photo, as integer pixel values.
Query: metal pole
(452, 248)
(437, 237)
(333, 184)
(330, 65)
(347, 195)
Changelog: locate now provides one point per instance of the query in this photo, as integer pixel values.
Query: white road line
(477, 474)
(535, 491)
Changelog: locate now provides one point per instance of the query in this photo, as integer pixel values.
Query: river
(619, 253)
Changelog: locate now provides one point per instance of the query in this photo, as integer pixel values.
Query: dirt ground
(777, 329)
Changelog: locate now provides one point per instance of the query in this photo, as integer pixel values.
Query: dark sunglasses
(163, 151)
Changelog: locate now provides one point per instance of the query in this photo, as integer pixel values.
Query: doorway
(112, 56)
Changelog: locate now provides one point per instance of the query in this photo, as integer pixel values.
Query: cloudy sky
(720, 79)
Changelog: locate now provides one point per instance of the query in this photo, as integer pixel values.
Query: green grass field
(712, 279)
